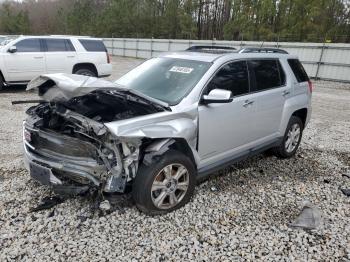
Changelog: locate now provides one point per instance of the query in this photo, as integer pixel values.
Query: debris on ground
(309, 218)
(345, 191)
(47, 203)
(51, 214)
(346, 175)
(213, 189)
(105, 205)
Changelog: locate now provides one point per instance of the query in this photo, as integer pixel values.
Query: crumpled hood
(58, 87)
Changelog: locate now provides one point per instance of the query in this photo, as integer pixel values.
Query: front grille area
(51, 142)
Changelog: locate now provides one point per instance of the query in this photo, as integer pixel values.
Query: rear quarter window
(298, 70)
(93, 45)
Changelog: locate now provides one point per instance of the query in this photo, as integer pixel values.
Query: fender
(161, 146)
(291, 105)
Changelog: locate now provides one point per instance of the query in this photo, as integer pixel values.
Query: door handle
(38, 57)
(71, 56)
(285, 93)
(248, 103)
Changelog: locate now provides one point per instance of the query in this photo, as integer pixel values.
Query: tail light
(310, 86)
(108, 58)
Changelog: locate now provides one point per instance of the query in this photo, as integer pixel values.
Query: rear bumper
(104, 69)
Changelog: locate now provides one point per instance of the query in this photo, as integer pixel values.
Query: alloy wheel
(293, 138)
(170, 186)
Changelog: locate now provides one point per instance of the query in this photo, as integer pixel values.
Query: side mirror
(217, 96)
(12, 49)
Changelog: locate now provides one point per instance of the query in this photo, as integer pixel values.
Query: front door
(27, 62)
(225, 129)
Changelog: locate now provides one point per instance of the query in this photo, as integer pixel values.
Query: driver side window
(28, 45)
(233, 77)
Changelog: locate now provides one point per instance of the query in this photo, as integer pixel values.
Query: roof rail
(211, 49)
(262, 50)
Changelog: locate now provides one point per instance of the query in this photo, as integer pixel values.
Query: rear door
(268, 83)
(27, 63)
(60, 55)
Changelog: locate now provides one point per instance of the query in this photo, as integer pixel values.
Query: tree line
(259, 20)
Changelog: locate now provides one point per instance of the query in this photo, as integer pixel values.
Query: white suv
(27, 57)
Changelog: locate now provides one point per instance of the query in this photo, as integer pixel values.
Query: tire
(85, 72)
(2, 85)
(152, 184)
(288, 149)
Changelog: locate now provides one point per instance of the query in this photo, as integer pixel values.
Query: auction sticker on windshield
(180, 69)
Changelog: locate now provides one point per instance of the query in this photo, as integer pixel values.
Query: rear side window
(266, 74)
(28, 45)
(233, 77)
(298, 70)
(59, 45)
(93, 45)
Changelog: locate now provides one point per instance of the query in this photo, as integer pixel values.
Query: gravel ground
(241, 213)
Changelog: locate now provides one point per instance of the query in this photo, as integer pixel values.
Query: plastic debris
(213, 189)
(346, 175)
(47, 203)
(345, 191)
(105, 205)
(309, 218)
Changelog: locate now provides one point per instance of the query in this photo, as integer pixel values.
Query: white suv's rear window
(93, 45)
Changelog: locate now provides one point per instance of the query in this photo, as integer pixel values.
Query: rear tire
(165, 185)
(85, 72)
(291, 140)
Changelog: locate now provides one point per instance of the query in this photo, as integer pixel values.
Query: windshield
(166, 79)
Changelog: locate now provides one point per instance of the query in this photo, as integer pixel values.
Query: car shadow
(14, 89)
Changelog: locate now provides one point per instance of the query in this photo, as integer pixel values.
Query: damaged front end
(68, 146)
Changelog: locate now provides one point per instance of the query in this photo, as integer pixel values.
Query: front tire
(165, 185)
(291, 140)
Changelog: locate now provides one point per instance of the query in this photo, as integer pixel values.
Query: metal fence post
(169, 42)
(112, 44)
(137, 47)
(320, 60)
(124, 46)
(151, 47)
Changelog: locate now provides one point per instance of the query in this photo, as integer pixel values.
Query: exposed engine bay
(69, 137)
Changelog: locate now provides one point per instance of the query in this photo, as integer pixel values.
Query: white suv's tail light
(310, 86)
(108, 58)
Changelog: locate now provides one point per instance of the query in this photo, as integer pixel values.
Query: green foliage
(12, 21)
(260, 20)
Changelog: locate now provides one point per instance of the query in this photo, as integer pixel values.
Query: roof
(211, 57)
(59, 36)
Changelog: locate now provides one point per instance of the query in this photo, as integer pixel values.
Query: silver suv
(171, 121)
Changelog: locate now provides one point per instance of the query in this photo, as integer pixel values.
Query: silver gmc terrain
(170, 121)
